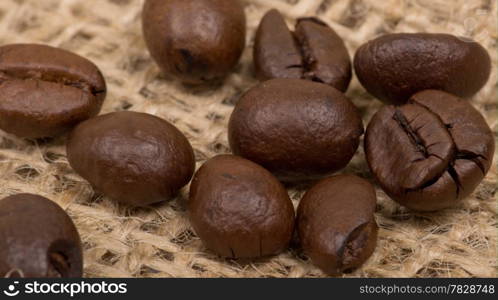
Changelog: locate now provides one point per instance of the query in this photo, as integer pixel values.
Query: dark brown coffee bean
(297, 129)
(336, 224)
(134, 158)
(37, 239)
(313, 52)
(197, 41)
(46, 91)
(393, 67)
(239, 209)
(430, 152)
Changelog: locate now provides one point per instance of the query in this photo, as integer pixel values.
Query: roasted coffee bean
(336, 224)
(430, 152)
(393, 67)
(197, 41)
(239, 209)
(313, 52)
(37, 239)
(46, 91)
(297, 129)
(134, 158)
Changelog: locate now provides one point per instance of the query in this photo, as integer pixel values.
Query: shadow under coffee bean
(430, 152)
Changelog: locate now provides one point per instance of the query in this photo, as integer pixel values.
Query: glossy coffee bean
(46, 91)
(37, 239)
(313, 51)
(297, 129)
(336, 224)
(239, 209)
(393, 67)
(430, 152)
(196, 41)
(134, 158)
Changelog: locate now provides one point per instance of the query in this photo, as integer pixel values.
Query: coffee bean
(430, 152)
(197, 41)
(393, 67)
(37, 239)
(239, 209)
(297, 129)
(313, 52)
(336, 224)
(46, 91)
(134, 158)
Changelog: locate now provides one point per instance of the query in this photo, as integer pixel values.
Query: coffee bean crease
(313, 51)
(430, 152)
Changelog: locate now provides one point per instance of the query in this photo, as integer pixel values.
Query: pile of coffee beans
(427, 148)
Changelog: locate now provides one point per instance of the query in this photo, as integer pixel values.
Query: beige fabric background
(157, 242)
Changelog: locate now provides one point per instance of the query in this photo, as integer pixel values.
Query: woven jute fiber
(158, 241)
